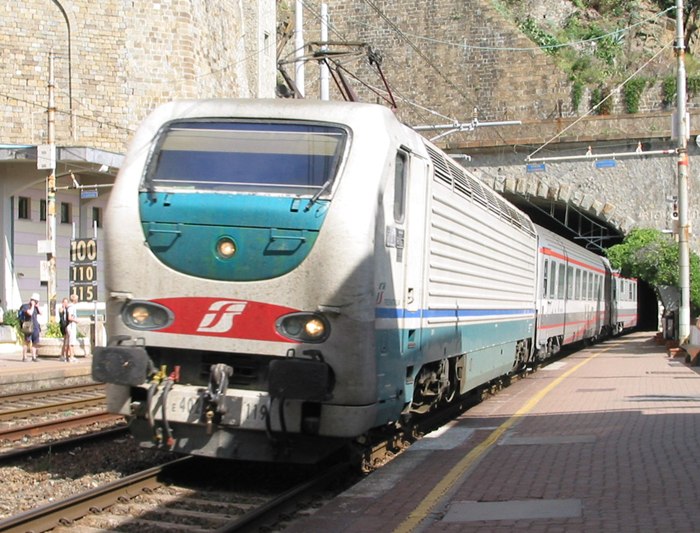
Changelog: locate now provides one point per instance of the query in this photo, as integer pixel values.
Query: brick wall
(442, 56)
(124, 59)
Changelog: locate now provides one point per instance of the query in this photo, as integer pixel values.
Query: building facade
(112, 63)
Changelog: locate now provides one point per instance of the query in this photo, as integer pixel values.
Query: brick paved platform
(604, 440)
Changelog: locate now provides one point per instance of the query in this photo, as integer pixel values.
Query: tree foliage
(652, 256)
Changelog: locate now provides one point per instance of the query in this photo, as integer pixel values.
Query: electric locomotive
(287, 275)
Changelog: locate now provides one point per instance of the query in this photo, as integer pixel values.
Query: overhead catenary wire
(63, 112)
(570, 44)
(420, 53)
(398, 31)
(595, 107)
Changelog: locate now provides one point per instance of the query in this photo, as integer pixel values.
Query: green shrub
(668, 90)
(692, 85)
(576, 94)
(540, 37)
(53, 331)
(600, 101)
(632, 94)
(11, 319)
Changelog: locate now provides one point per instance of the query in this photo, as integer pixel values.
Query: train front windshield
(274, 157)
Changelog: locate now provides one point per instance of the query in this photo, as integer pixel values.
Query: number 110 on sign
(84, 273)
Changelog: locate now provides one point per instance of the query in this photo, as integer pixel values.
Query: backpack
(63, 320)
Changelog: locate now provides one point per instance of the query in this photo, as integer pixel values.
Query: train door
(551, 304)
(548, 288)
(414, 216)
(559, 308)
(614, 303)
(399, 297)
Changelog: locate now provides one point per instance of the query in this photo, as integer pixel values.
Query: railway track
(32, 421)
(160, 499)
(32, 430)
(45, 401)
(60, 444)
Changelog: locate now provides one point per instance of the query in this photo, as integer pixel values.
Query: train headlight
(225, 248)
(305, 327)
(146, 315)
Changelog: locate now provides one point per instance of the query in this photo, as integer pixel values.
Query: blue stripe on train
(382, 312)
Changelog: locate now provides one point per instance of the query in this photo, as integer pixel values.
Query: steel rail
(52, 406)
(48, 447)
(285, 502)
(32, 430)
(42, 393)
(66, 511)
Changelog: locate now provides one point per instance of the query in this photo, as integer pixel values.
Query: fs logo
(219, 316)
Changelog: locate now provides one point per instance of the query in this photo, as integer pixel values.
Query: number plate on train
(246, 409)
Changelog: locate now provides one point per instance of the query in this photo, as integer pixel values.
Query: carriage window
(561, 282)
(594, 287)
(553, 280)
(579, 275)
(584, 286)
(545, 273)
(569, 282)
(400, 174)
(275, 157)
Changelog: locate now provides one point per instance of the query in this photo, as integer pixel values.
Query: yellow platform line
(445, 485)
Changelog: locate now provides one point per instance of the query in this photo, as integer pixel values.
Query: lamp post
(51, 198)
(683, 226)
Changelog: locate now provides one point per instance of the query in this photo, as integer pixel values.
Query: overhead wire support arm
(611, 155)
(463, 126)
(348, 92)
(375, 58)
(289, 81)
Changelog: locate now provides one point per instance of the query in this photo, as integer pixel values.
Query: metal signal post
(51, 199)
(683, 226)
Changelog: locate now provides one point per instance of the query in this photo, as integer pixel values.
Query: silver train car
(579, 297)
(285, 276)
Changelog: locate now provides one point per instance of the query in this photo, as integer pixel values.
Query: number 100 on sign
(83, 269)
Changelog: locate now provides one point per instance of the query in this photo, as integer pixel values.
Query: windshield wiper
(316, 196)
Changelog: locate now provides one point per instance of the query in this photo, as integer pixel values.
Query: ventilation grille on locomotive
(468, 186)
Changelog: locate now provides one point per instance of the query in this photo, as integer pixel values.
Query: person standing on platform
(71, 335)
(63, 326)
(29, 321)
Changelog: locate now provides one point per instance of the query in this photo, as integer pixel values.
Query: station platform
(604, 440)
(48, 372)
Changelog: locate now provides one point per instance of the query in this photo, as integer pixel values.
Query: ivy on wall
(632, 94)
(600, 101)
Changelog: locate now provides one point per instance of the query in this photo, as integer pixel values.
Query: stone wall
(115, 61)
(636, 192)
(450, 56)
(451, 60)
